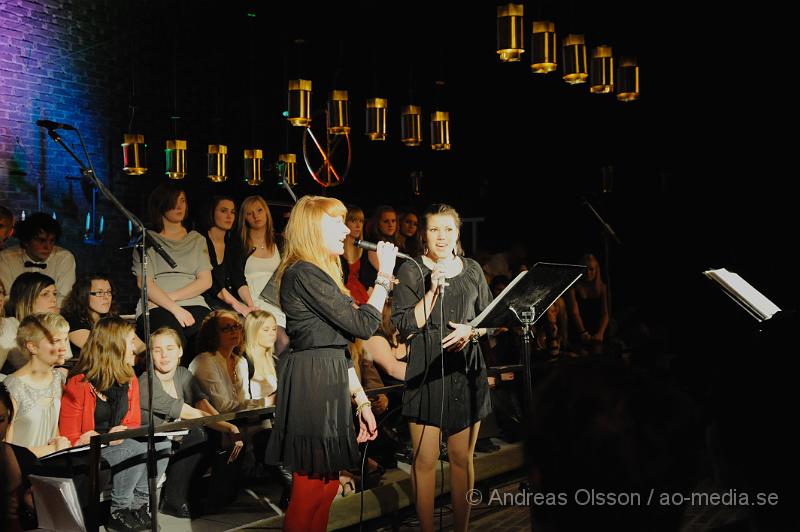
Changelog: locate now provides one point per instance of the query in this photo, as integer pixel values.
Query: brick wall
(62, 60)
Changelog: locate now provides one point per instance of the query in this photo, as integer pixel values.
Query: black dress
(463, 389)
(314, 430)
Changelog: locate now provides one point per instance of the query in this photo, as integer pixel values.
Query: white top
(60, 265)
(8, 337)
(258, 272)
(36, 417)
(226, 396)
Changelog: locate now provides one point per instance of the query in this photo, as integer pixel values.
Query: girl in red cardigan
(102, 395)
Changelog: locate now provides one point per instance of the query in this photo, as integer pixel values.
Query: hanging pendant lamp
(440, 130)
(252, 167)
(543, 47)
(510, 32)
(574, 59)
(217, 163)
(338, 113)
(289, 161)
(176, 159)
(602, 73)
(376, 118)
(628, 79)
(411, 125)
(134, 154)
(300, 102)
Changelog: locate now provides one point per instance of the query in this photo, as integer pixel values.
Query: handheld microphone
(49, 124)
(374, 247)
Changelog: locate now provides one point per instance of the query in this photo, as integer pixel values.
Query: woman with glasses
(91, 298)
(219, 369)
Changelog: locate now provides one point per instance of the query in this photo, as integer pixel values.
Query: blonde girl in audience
(36, 388)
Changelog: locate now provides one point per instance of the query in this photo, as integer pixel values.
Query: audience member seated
(588, 307)
(219, 369)
(6, 225)
(102, 396)
(551, 331)
(353, 256)
(31, 293)
(177, 395)
(8, 330)
(601, 441)
(229, 288)
(91, 298)
(36, 388)
(260, 332)
(17, 512)
(407, 238)
(38, 252)
(175, 294)
(382, 226)
(262, 257)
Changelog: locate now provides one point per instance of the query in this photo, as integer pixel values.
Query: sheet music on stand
(750, 299)
(524, 301)
(57, 504)
(538, 287)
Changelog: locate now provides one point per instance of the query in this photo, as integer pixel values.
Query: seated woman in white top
(36, 388)
(262, 258)
(175, 294)
(220, 371)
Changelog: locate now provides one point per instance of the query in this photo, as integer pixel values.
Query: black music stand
(524, 301)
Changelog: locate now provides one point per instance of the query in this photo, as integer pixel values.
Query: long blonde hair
(304, 240)
(244, 229)
(252, 325)
(102, 359)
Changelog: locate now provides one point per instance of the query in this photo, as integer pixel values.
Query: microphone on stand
(49, 124)
(374, 247)
(151, 243)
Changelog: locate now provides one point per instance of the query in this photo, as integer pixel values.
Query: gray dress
(36, 417)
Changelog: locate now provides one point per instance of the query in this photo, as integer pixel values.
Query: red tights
(310, 504)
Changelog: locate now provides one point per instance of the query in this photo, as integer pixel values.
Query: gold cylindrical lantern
(134, 154)
(510, 32)
(543, 47)
(338, 113)
(628, 79)
(217, 163)
(376, 118)
(289, 161)
(300, 102)
(176, 159)
(252, 167)
(602, 73)
(574, 59)
(411, 125)
(440, 130)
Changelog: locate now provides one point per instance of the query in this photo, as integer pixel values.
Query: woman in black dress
(314, 434)
(447, 391)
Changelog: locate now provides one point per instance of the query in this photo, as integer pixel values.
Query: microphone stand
(90, 174)
(608, 231)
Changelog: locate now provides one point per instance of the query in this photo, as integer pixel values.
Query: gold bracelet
(362, 406)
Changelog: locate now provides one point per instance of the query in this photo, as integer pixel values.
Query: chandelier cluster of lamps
(299, 114)
(600, 73)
